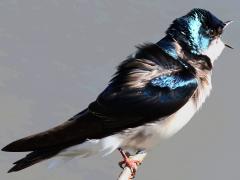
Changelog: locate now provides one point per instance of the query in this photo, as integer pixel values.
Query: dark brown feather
(130, 100)
(74, 131)
(33, 158)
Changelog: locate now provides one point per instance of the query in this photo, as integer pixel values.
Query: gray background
(56, 56)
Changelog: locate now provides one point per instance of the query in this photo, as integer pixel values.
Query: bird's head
(199, 32)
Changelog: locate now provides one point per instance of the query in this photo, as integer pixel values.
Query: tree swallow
(153, 94)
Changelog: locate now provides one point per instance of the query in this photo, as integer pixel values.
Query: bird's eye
(212, 32)
(220, 30)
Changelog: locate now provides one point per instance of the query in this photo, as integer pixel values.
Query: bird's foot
(132, 164)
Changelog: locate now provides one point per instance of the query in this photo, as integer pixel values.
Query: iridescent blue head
(197, 30)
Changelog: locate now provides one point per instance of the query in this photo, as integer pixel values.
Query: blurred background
(56, 56)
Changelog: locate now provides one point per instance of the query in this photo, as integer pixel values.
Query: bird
(153, 94)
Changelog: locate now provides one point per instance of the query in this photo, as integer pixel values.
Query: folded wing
(145, 88)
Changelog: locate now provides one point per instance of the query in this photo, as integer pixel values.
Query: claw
(127, 162)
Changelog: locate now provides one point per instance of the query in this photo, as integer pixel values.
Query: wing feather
(145, 88)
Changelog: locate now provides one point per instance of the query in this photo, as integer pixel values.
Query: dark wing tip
(6, 148)
(33, 158)
(19, 166)
(12, 147)
(21, 145)
(13, 169)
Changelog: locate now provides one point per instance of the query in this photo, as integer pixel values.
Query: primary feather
(152, 95)
(120, 106)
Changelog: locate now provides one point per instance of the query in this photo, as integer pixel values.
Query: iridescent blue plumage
(167, 46)
(152, 95)
(137, 91)
(194, 30)
(198, 41)
(173, 82)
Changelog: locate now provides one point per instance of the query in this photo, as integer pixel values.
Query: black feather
(33, 158)
(130, 100)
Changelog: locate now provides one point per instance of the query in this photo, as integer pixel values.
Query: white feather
(145, 137)
(110, 144)
(103, 146)
(88, 148)
(215, 49)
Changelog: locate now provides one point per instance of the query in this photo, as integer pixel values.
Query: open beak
(225, 25)
(229, 46)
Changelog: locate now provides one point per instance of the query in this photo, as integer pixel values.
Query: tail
(47, 144)
(33, 158)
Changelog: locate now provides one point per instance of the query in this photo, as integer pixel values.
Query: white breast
(147, 136)
(143, 137)
(151, 134)
(177, 121)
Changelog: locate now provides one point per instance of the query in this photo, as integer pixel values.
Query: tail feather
(74, 131)
(33, 158)
(49, 143)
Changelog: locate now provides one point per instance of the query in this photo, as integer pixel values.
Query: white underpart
(103, 146)
(165, 128)
(147, 136)
(143, 137)
(88, 148)
(215, 49)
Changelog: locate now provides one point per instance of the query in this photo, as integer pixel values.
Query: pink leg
(127, 162)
